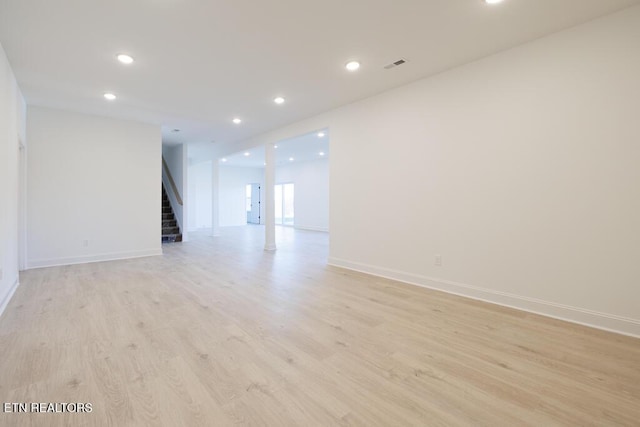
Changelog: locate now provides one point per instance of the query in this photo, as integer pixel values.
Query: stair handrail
(174, 187)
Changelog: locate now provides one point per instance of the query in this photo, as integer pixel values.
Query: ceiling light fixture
(237, 121)
(125, 59)
(275, 146)
(109, 96)
(291, 159)
(247, 154)
(352, 65)
(321, 153)
(279, 100)
(492, 1)
(224, 159)
(320, 134)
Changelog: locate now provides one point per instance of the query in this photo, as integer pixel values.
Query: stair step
(170, 230)
(170, 238)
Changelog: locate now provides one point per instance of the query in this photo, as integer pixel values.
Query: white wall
(177, 162)
(520, 170)
(12, 130)
(311, 199)
(233, 181)
(93, 188)
(200, 182)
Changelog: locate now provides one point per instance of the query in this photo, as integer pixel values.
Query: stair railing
(174, 187)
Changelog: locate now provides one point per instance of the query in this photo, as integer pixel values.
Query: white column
(269, 193)
(215, 198)
(185, 197)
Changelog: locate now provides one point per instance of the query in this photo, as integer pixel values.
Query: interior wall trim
(594, 319)
(8, 296)
(54, 262)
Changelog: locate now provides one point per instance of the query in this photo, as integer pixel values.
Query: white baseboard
(311, 228)
(608, 322)
(54, 262)
(5, 300)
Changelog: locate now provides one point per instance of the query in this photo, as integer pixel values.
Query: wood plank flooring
(218, 332)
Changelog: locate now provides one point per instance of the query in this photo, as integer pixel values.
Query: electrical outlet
(85, 243)
(438, 260)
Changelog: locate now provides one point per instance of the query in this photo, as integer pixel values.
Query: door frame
(256, 189)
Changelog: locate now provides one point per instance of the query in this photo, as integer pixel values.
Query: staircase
(170, 229)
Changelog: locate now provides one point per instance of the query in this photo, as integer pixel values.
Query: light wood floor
(219, 332)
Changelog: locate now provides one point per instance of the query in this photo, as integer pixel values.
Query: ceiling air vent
(395, 64)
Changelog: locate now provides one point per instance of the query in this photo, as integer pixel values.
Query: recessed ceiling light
(125, 59)
(109, 96)
(493, 1)
(291, 159)
(275, 146)
(352, 65)
(224, 159)
(237, 121)
(279, 100)
(321, 153)
(320, 134)
(247, 154)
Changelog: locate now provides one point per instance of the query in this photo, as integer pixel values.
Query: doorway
(253, 203)
(284, 202)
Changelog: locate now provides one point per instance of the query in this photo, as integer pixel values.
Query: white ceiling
(302, 148)
(199, 63)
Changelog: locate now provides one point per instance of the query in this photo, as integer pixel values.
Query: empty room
(336, 213)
